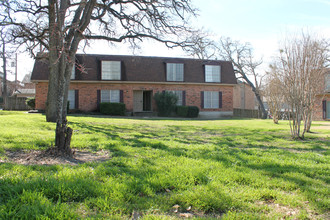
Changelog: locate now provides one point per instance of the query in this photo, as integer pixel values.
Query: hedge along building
(133, 80)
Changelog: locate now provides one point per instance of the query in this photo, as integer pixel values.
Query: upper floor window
(73, 72)
(110, 96)
(174, 71)
(212, 73)
(111, 70)
(327, 82)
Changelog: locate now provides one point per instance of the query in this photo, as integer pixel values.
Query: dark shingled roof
(139, 68)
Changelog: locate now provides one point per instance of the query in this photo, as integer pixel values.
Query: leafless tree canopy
(116, 20)
(201, 46)
(302, 66)
(272, 91)
(245, 65)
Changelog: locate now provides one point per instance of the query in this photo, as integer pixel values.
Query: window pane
(111, 70)
(105, 95)
(212, 73)
(174, 71)
(215, 99)
(179, 95)
(211, 99)
(327, 82)
(71, 99)
(114, 96)
(73, 72)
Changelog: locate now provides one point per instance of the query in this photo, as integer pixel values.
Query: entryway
(142, 101)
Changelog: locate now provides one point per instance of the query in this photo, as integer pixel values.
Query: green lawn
(236, 169)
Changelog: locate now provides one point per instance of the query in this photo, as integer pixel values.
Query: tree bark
(63, 138)
(4, 89)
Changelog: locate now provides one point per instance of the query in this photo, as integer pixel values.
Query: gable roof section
(139, 68)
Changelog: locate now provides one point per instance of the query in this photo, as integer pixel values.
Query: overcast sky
(263, 23)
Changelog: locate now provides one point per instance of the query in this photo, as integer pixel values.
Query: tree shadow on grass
(230, 151)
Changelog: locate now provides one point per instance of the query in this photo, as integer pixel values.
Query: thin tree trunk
(4, 60)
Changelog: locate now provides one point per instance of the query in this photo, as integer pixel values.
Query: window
(71, 99)
(174, 71)
(110, 96)
(327, 82)
(73, 72)
(328, 110)
(211, 99)
(212, 73)
(111, 70)
(179, 94)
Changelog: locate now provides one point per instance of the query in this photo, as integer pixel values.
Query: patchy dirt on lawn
(46, 157)
(322, 125)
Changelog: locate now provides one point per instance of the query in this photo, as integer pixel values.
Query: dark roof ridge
(143, 56)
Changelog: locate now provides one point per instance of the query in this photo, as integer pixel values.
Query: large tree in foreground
(245, 65)
(59, 26)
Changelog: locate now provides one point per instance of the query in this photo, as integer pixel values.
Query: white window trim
(211, 75)
(110, 74)
(172, 72)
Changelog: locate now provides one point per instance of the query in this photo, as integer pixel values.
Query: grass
(236, 169)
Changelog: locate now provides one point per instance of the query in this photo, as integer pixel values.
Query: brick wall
(318, 110)
(88, 94)
(244, 97)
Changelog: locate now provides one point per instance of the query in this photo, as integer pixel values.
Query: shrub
(31, 102)
(182, 111)
(166, 102)
(193, 111)
(108, 108)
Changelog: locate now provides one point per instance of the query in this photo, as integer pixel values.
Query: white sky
(263, 23)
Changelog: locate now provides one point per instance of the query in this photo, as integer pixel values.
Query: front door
(137, 100)
(142, 101)
(147, 97)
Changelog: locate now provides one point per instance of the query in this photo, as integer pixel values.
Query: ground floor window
(179, 94)
(110, 96)
(328, 110)
(211, 99)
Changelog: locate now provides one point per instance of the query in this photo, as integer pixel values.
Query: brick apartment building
(134, 80)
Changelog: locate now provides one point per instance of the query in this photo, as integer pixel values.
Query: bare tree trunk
(4, 89)
(309, 122)
(51, 114)
(63, 138)
(257, 94)
(63, 133)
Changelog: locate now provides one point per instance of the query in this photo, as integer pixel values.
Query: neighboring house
(322, 108)
(134, 80)
(28, 93)
(10, 86)
(244, 97)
